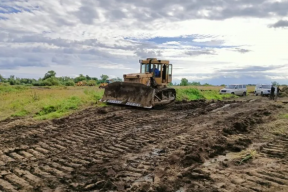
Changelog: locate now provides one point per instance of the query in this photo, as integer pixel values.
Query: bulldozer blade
(132, 94)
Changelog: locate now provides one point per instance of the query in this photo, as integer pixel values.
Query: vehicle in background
(239, 89)
(103, 85)
(262, 89)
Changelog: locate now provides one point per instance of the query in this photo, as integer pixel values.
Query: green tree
(87, 77)
(12, 80)
(195, 83)
(52, 81)
(2, 79)
(81, 77)
(275, 83)
(206, 84)
(49, 74)
(92, 83)
(184, 82)
(104, 78)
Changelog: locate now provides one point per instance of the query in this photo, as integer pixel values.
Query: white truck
(239, 89)
(262, 89)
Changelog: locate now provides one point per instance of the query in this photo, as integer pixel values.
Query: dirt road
(179, 148)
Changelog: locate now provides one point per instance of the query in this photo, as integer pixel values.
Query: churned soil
(119, 148)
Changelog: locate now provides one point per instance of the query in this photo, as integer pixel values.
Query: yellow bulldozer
(146, 89)
(103, 85)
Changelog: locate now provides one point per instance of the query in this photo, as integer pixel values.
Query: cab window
(145, 68)
(240, 86)
(170, 69)
(157, 70)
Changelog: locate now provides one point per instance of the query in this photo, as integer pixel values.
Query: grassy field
(46, 103)
(250, 89)
(54, 102)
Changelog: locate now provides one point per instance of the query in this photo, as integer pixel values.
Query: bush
(92, 83)
(70, 83)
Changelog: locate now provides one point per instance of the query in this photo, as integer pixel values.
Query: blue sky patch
(183, 40)
(15, 9)
(7, 9)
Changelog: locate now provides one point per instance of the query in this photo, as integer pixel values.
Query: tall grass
(194, 94)
(250, 89)
(54, 102)
(37, 102)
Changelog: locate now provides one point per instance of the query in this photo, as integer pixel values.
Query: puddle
(218, 109)
(147, 178)
(181, 116)
(181, 190)
(220, 158)
(157, 152)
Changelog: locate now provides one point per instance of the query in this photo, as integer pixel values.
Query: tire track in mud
(267, 173)
(107, 150)
(274, 174)
(61, 152)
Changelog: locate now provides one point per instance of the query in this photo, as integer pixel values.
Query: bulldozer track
(269, 173)
(116, 149)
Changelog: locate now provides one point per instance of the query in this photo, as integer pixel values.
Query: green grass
(194, 94)
(285, 116)
(9, 89)
(46, 103)
(55, 102)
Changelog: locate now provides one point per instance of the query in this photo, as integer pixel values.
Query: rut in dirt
(119, 148)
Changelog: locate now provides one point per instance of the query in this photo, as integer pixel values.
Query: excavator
(146, 89)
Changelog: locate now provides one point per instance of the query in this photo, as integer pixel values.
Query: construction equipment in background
(103, 85)
(145, 89)
(81, 83)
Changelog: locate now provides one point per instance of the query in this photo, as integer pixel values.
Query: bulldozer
(103, 85)
(146, 89)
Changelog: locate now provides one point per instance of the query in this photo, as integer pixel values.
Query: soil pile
(284, 92)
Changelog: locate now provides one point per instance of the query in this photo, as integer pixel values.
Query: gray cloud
(234, 78)
(280, 24)
(241, 50)
(87, 14)
(21, 62)
(200, 52)
(251, 69)
(144, 53)
(145, 10)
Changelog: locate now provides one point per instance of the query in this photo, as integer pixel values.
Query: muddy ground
(189, 146)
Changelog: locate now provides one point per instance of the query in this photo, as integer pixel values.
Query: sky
(208, 41)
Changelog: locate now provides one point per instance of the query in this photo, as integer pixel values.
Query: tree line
(185, 82)
(50, 79)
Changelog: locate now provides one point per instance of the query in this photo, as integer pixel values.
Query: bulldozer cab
(161, 70)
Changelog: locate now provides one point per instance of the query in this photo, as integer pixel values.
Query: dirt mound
(284, 92)
(186, 105)
(241, 122)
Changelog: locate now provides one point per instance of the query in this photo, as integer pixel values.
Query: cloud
(242, 50)
(280, 24)
(94, 37)
(200, 52)
(252, 69)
